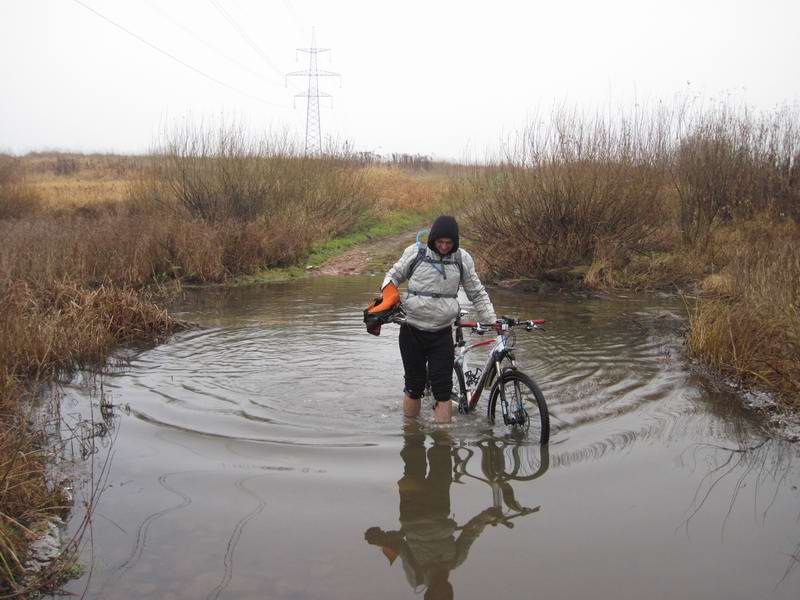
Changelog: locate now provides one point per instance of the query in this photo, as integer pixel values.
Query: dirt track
(374, 256)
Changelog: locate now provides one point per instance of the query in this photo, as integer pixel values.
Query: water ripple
(270, 366)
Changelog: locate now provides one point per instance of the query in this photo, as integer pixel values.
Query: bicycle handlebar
(498, 518)
(503, 323)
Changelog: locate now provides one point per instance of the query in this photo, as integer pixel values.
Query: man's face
(443, 245)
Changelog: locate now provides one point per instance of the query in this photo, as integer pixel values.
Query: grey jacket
(437, 276)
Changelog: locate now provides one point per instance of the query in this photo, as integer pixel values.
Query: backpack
(422, 250)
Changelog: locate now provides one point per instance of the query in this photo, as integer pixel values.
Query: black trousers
(427, 354)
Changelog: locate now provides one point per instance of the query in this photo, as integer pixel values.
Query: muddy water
(264, 455)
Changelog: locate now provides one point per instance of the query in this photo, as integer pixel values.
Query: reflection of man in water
(427, 542)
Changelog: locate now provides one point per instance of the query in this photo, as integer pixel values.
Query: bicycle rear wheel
(527, 408)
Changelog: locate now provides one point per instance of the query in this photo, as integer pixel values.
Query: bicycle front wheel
(459, 393)
(527, 408)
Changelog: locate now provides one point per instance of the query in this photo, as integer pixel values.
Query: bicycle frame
(491, 367)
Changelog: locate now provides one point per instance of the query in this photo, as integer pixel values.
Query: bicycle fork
(516, 415)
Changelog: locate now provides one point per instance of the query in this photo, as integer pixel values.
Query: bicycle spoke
(527, 408)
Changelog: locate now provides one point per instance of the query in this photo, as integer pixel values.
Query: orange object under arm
(391, 297)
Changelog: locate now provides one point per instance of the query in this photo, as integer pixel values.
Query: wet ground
(264, 455)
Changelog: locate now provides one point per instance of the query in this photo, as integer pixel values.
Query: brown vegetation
(46, 332)
(565, 190)
(25, 496)
(65, 182)
(17, 199)
(75, 270)
(729, 165)
(748, 323)
(224, 176)
(396, 190)
(665, 200)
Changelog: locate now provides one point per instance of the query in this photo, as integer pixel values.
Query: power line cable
(208, 44)
(175, 58)
(228, 17)
(246, 37)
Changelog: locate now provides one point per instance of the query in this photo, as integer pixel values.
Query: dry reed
(25, 496)
(564, 189)
(400, 190)
(17, 198)
(222, 175)
(46, 332)
(748, 325)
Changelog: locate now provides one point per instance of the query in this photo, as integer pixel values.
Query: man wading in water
(431, 306)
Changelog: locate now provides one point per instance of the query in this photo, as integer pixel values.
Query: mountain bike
(512, 393)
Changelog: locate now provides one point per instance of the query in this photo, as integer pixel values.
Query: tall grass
(25, 496)
(396, 190)
(65, 325)
(573, 187)
(730, 164)
(133, 250)
(46, 332)
(61, 165)
(207, 206)
(17, 199)
(747, 325)
(564, 188)
(223, 174)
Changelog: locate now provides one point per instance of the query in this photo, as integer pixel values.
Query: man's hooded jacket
(431, 302)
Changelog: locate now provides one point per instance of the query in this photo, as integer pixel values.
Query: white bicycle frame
(499, 352)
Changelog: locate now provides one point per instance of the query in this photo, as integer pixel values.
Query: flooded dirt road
(264, 455)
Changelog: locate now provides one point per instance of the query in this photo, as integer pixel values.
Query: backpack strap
(431, 294)
(421, 252)
(422, 255)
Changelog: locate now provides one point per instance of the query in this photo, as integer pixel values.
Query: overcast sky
(447, 78)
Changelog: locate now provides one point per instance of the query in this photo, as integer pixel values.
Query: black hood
(444, 226)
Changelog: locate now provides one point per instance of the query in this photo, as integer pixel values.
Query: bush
(574, 189)
(225, 175)
(729, 164)
(567, 187)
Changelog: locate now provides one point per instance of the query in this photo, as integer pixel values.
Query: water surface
(265, 455)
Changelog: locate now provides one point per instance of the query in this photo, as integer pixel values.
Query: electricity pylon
(312, 95)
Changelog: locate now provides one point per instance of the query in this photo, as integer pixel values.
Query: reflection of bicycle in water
(429, 542)
(502, 463)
